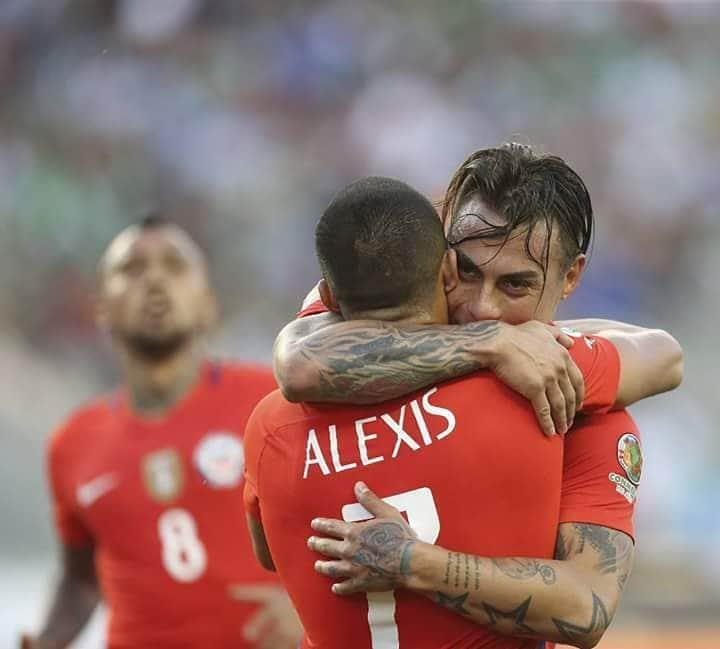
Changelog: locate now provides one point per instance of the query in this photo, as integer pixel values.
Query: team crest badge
(220, 460)
(630, 457)
(163, 474)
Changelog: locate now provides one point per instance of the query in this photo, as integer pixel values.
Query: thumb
(376, 506)
(26, 641)
(259, 593)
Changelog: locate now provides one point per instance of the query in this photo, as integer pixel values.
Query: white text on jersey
(420, 410)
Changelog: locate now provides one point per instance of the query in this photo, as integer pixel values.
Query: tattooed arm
(322, 358)
(571, 599)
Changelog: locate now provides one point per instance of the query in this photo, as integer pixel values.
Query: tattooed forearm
(454, 604)
(526, 569)
(515, 616)
(600, 621)
(367, 363)
(569, 600)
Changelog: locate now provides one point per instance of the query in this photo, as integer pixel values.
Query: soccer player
(147, 481)
(464, 460)
(520, 224)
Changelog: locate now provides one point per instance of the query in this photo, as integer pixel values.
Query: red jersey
(602, 462)
(464, 460)
(161, 500)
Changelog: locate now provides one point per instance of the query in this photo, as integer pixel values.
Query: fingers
(376, 506)
(569, 394)
(578, 383)
(337, 569)
(258, 623)
(328, 547)
(26, 641)
(557, 405)
(543, 412)
(350, 586)
(331, 527)
(252, 592)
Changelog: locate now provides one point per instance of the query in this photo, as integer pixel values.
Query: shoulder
(73, 431)
(592, 431)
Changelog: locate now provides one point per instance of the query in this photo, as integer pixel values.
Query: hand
(276, 625)
(372, 555)
(533, 360)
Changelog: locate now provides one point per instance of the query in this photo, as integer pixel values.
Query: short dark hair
(527, 189)
(380, 244)
(154, 220)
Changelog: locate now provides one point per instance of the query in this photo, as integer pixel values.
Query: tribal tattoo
(600, 621)
(370, 363)
(614, 549)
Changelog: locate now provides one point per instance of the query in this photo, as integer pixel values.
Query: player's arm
(322, 358)
(571, 599)
(75, 598)
(651, 360)
(259, 543)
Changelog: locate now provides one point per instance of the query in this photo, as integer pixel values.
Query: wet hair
(527, 190)
(380, 245)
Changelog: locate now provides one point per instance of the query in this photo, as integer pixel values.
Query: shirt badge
(630, 457)
(163, 474)
(220, 460)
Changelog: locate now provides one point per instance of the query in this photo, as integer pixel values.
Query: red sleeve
(601, 472)
(254, 444)
(68, 522)
(599, 362)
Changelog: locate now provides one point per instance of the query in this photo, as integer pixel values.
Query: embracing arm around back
(651, 360)
(323, 358)
(571, 599)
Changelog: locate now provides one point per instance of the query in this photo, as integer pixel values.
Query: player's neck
(155, 386)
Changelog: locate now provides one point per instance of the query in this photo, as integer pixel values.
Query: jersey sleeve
(599, 362)
(254, 443)
(68, 523)
(602, 468)
(312, 304)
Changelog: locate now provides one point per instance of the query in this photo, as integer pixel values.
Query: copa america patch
(220, 460)
(629, 457)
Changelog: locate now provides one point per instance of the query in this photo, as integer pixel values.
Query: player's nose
(484, 307)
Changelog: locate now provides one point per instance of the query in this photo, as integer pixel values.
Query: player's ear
(327, 296)
(102, 317)
(572, 276)
(450, 270)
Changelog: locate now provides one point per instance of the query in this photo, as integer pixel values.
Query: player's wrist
(424, 562)
(489, 350)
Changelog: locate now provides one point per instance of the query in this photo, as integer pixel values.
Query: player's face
(503, 283)
(155, 295)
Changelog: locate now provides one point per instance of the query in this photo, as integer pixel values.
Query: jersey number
(419, 505)
(183, 553)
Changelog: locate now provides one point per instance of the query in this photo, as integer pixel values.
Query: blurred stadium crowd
(243, 117)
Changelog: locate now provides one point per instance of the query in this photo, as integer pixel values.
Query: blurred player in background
(520, 225)
(147, 481)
